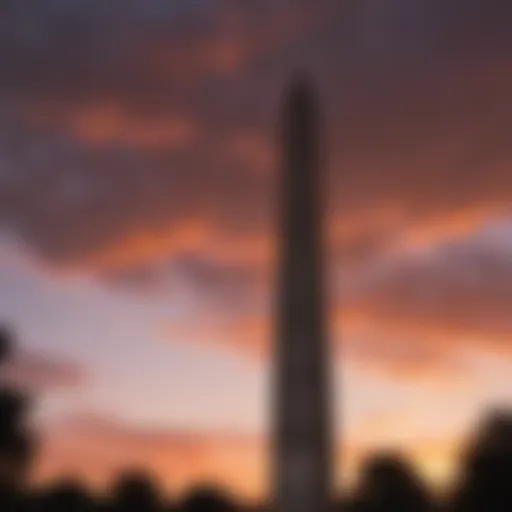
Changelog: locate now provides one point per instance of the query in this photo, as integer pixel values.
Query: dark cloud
(121, 128)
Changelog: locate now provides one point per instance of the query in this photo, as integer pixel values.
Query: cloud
(38, 372)
(137, 146)
(243, 335)
(96, 108)
(110, 125)
(421, 313)
(457, 290)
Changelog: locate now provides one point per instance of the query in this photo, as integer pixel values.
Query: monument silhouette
(301, 467)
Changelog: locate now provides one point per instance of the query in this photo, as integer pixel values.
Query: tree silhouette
(486, 483)
(5, 343)
(207, 499)
(136, 492)
(16, 443)
(388, 484)
(65, 497)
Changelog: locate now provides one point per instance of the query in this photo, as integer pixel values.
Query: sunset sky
(138, 166)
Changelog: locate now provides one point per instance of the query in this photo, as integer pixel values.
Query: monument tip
(301, 89)
(301, 105)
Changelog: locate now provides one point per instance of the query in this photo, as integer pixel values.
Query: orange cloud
(246, 336)
(112, 124)
(109, 125)
(195, 236)
(377, 345)
(97, 449)
(252, 150)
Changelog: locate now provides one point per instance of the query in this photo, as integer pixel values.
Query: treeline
(387, 483)
(134, 493)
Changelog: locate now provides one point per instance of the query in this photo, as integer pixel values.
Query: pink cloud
(41, 373)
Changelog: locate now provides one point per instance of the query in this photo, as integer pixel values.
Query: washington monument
(302, 448)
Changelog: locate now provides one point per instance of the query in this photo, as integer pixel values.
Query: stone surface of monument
(302, 448)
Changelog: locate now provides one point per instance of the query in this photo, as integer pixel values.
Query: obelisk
(301, 387)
